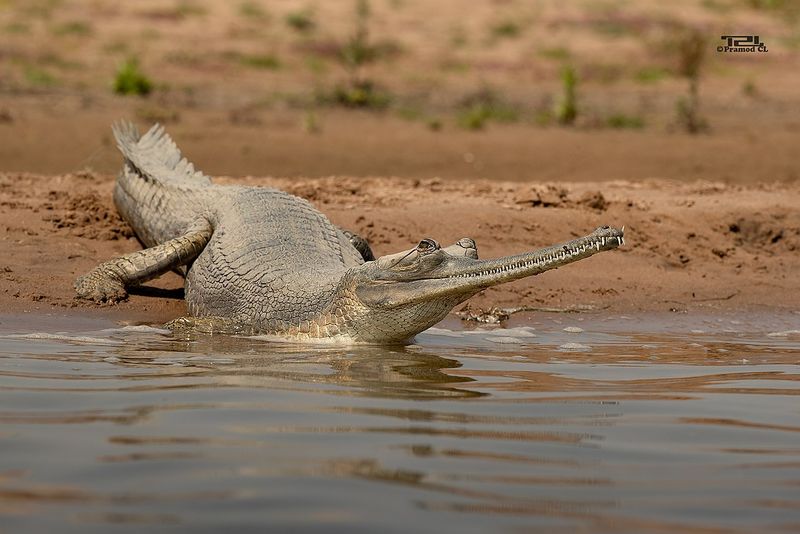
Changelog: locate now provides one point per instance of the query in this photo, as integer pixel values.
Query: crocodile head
(410, 291)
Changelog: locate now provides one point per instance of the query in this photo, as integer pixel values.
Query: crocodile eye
(427, 245)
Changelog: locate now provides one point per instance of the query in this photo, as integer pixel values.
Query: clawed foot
(99, 288)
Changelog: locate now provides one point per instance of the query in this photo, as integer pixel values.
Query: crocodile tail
(155, 157)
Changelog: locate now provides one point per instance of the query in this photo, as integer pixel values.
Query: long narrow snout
(486, 273)
(462, 277)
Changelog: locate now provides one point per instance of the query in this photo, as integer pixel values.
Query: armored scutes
(261, 261)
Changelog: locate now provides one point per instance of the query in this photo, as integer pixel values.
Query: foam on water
(785, 333)
(69, 338)
(574, 347)
(139, 329)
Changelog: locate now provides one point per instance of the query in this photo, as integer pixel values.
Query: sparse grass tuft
(508, 29)
(311, 124)
(75, 27)
(360, 91)
(254, 11)
(687, 116)
(623, 121)
(362, 94)
(52, 59)
(39, 77)
(190, 8)
(567, 108)
(20, 28)
(301, 21)
(789, 10)
(558, 53)
(116, 47)
(650, 74)
(260, 61)
(156, 113)
(40, 8)
(482, 107)
(360, 49)
(434, 124)
(130, 80)
(750, 89)
(769, 5)
(691, 47)
(543, 117)
(458, 36)
(316, 64)
(412, 112)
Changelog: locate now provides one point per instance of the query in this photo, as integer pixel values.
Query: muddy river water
(555, 423)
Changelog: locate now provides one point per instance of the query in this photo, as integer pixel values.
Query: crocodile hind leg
(109, 280)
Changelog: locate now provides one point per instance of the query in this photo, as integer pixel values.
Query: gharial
(266, 262)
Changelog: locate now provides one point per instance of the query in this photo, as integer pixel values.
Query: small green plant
(316, 64)
(788, 10)
(691, 47)
(434, 124)
(650, 74)
(157, 113)
(39, 8)
(362, 94)
(410, 113)
(558, 53)
(750, 89)
(506, 29)
(253, 10)
(188, 8)
(566, 110)
(260, 61)
(483, 106)
(18, 28)
(51, 59)
(301, 21)
(130, 80)
(311, 124)
(75, 27)
(623, 121)
(358, 51)
(39, 77)
(359, 91)
(458, 36)
(116, 47)
(474, 118)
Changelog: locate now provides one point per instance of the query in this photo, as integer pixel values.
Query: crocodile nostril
(466, 242)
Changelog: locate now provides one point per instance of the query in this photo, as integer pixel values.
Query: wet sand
(689, 246)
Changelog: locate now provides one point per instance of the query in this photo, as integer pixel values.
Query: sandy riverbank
(690, 246)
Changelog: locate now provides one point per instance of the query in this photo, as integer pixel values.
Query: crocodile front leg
(108, 281)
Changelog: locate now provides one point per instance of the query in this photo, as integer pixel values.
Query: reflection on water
(558, 425)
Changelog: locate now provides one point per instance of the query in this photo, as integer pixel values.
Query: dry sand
(689, 247)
